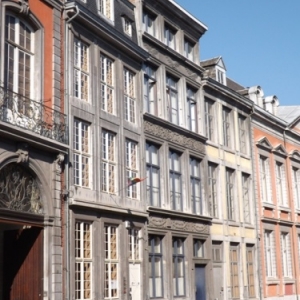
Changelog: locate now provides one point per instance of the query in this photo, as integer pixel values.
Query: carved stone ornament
(172, 136)
(59, 162)
(19, 190)
(168, 223)
(22, 153)
(24, 7)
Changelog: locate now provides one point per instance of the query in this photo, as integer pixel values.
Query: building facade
(33, 144)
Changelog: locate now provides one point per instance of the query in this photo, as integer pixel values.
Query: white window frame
(286, 255)
(230, 194)
(270, 254)
(107, 84)
(209, 119)
(106, 9)
(189, 49)
(175, 179)
(281, 188)
(129, 96)
(296, 184)
(243, 134)
(227, 126)
(179, 276)
(172, 97)
(213, 188)
(83, 258)
(196, 186)
(246, 197)
(82, 153)
(81, 70)
(109, 162)
(131, 152)
(127, 26)
(265, 179)
(134, 236)
(170, 36)
(150, 97)
(191, 109)
(149, 22)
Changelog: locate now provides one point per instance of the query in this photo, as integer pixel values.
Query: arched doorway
(21, 234)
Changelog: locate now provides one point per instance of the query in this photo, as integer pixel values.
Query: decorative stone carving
(24, 7)
(23, 153)
(59, 163)
(172, 136)
(19, 190)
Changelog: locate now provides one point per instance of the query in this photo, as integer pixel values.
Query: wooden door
(23, 264)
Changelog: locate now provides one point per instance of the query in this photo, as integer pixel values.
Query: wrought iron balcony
(32, 115)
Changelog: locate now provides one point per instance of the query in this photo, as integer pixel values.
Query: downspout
(257, 220)
(67, 8)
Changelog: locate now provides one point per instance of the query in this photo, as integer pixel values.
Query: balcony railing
(33, 116)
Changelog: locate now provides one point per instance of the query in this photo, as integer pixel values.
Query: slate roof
(234, 85)
(288, 113)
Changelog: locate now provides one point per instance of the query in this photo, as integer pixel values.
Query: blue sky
(259, 41)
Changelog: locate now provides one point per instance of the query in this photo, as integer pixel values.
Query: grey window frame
(243, 136)
(168, 31)
(191, 101)
(149, 83)
(194, 179)
(230, 173)
(177, 256)
(234, 247)
(172, 89)
(212, 185)
(250, 264)
(145, 20)
(226, 119)
(172, 175)
(246, 196)
(209, 118)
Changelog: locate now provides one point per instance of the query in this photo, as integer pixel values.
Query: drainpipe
(68, 7)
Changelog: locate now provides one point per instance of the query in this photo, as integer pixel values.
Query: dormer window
(127, 25)
(106, 8)
(169, 36)
(220, 76)
(149, 23)
(188, 49)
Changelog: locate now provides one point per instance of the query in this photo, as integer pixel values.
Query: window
(209, 119)
(129, 95)
(155, 267)
(108, 162)
(270, 258)
(246, 197)
(281, 184)
(192, 109)
(188, 49)
(153, 174)
(83, 260)
(212, 189)
(265, 180)
(286, 254)
(106, 8)
(217, 251)
(111, 279)
(230, 194)
(175, 180)
(243, 134)
(150, 104)
(172, 96)
(178, 267)
(299, 249)
(107, 85)
(234, 271)
(127, 26)
(134, 244)
(149, 23)
(19, 56)
(220, 76)
(195, 181)
(226, 126)
(250, 271)
(296, 183)
(169, 35)
(131, 167)
(81, 154)
(199, 248)
(81, 70)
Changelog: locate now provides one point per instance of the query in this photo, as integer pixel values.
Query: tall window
(199, 248)
(299, 249)
(81, 70)
(19, 56)
(234, 271)
(212, 189)
(188, 49)
(281, 184)
(250, 271)
(131, 167)
(107, 85)
(178, 267)
(296, 183)
(129, 94)
(209, 119)
(150, 104)
(286, 254)
(230, 194)
(195, 182)
(246, 197)
(106, 8)
(153, 174)
(111, 278)
(83, 260)
(134, 244)
(155, 267)
(149, 22)
(81, 154)
(217, 251)
(192, 109)
(175, 181)
(265, 180)
(243, 134)
(172, 96)
(127, 25)
(226, 112)
(108, 162)
(169, 35)
(270, 256)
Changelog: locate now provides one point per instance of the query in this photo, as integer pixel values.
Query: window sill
(288, 280)
(297, 211)
(233, 223)
(272, 280)
(250, 226)
(244, 155)
(268, 205)
(284, 208)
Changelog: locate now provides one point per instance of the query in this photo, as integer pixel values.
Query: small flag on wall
(135, 180)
